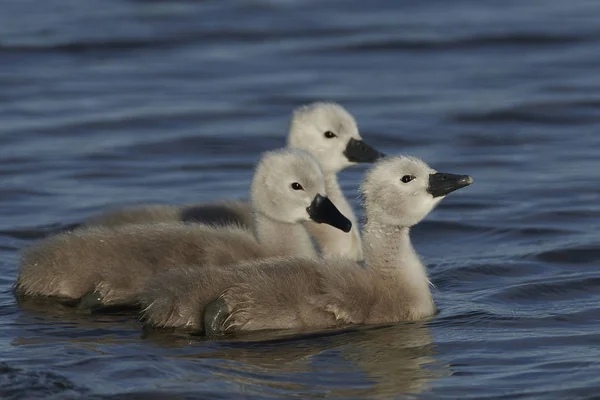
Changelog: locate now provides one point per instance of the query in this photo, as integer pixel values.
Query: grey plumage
(306, 292)
(227, 212)
(116, 262)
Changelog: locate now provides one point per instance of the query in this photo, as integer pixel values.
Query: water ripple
(17, 383)
(171, 102)
(516, 41)
(577, 255)
(558, 290)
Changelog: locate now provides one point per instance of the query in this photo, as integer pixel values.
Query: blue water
(122, 102)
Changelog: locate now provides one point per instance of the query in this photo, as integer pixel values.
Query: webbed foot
(215, 314)
(91, 301)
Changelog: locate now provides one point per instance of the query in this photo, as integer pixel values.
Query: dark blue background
(106, 103)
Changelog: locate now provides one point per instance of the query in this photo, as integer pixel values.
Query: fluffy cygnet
(110, 266)
(327, 131)
(306, 292)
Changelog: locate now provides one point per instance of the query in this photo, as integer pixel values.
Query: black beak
(441, 184)
(359, 152)
(323, 211)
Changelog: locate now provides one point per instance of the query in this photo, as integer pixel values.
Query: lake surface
(112, 103)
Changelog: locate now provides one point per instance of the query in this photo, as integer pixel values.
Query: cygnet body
(305, 292)
(327, 131)
(112, 265)
(221, 213)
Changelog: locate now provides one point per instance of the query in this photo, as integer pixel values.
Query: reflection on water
(382, 361)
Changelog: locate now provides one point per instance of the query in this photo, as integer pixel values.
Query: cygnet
(327, 131)
(307, 292)
(109, 267)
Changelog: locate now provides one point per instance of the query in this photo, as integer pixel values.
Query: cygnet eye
(407, 178)
(330, 135)
(297, 186)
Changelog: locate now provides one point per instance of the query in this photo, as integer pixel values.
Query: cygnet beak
(440, 184)
(359, 152)
(323, 211)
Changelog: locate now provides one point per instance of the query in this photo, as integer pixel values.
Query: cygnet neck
(282, 238)
(332, 241)
(389, 252)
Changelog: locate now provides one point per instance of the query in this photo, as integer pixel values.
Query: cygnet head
(288, 186)
(402, 190)
(330, 133)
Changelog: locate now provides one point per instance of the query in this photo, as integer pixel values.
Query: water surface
(132, 102)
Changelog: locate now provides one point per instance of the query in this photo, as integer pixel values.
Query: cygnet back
(287, 189)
